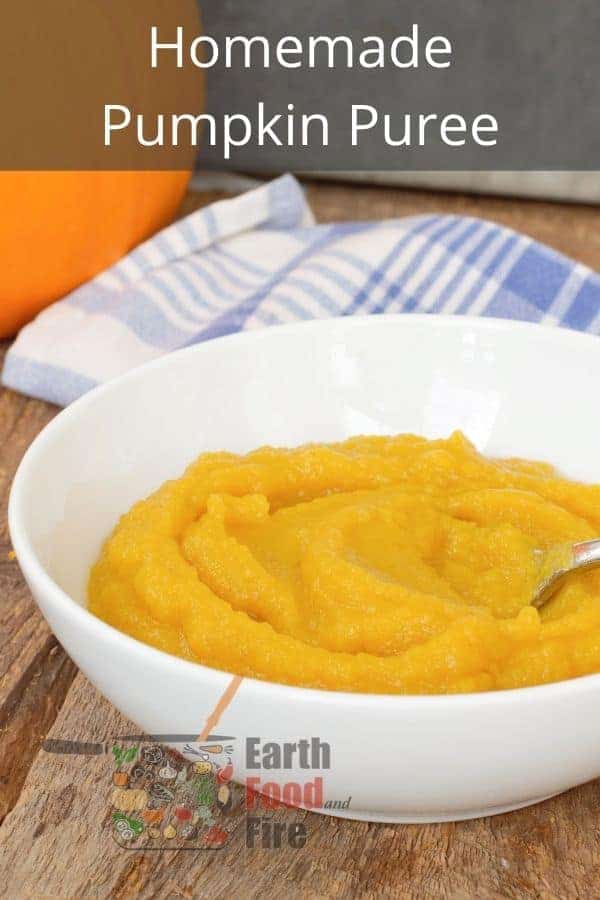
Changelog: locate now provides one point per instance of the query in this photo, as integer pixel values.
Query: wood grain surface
(54, 836)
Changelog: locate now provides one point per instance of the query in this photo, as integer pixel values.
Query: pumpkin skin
(58, 229)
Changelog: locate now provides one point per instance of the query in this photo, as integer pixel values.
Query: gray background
(533, 64)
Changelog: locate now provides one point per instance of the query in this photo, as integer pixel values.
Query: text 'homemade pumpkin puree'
(386, 565)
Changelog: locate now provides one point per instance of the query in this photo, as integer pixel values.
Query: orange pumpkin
(60, 228)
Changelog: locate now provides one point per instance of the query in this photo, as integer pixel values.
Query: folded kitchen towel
(259, 259)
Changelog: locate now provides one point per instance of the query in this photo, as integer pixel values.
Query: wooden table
(54, 837)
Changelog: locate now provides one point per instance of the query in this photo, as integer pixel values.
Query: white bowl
(512, 388)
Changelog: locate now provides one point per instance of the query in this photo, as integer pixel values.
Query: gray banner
(534, 65)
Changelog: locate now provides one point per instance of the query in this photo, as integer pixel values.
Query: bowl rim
(35, 571)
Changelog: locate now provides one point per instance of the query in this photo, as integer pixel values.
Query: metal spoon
(559, 562)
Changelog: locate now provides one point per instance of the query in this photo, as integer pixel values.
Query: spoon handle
(562, 561)
(586, 553)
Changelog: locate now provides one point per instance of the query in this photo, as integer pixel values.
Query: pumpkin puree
(380, 564)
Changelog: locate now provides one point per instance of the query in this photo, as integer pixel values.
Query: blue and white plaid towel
(259, 259)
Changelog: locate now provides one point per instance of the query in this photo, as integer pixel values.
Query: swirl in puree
(380, 564)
